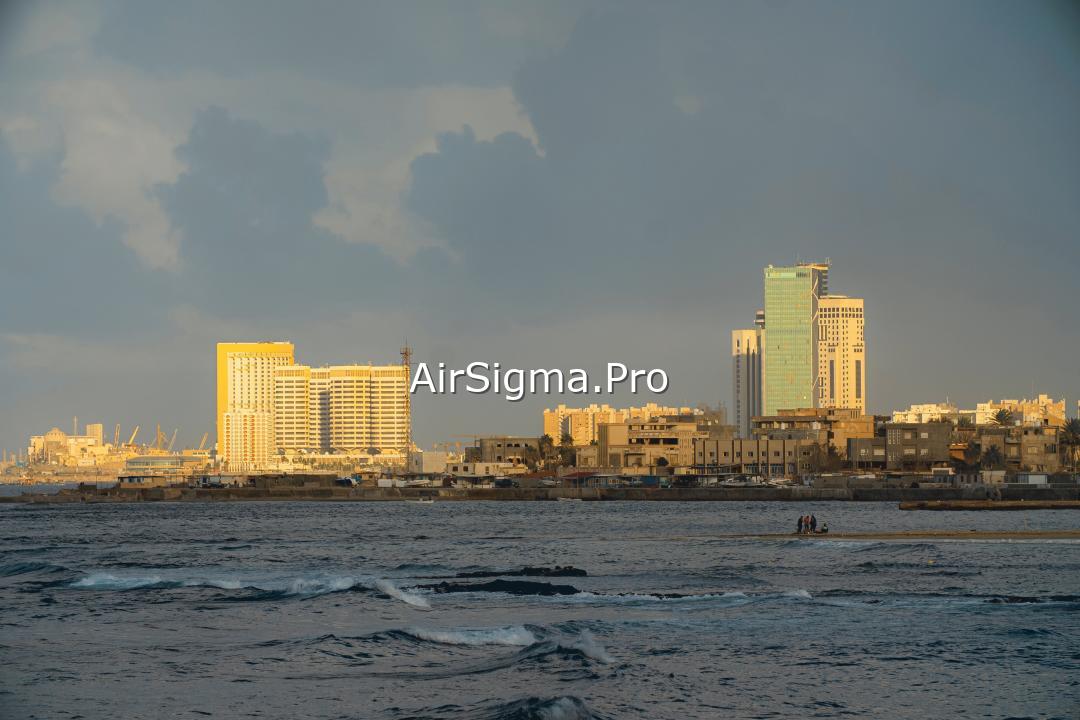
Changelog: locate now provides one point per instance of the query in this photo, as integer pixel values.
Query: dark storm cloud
(61, 272)
(245, 207)
(686, 146)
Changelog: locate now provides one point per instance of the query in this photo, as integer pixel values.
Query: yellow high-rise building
(245, 401)
(841, 358)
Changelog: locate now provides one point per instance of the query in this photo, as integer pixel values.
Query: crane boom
(131, 440)
(202, 443)
(172, 439)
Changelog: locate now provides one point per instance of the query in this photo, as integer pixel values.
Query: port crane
(172, 440)
(202, 443)
(116, 436)
(131, 440)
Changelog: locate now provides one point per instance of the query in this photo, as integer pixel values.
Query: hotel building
(341, 409)
(245, 402)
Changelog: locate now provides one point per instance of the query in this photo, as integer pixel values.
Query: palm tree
(992, 458)
(1003, 417)
(1070, 438)
(566, 449)
(972, 455)
(547, 447)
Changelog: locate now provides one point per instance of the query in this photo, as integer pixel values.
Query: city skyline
(495, 196)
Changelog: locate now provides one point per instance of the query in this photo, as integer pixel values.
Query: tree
(964, 422)
(1003, 417)
(1070, 441)
(992, 459)
(547, 447)
(567, 454)
(972, 455)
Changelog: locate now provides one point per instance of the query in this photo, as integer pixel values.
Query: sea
(554, 610)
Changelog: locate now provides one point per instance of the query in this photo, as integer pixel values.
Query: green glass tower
(791, 335)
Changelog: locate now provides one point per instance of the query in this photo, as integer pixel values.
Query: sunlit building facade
(245, 402)
(841, 358)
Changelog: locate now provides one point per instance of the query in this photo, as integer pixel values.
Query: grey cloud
(384, 43)
(245, 207)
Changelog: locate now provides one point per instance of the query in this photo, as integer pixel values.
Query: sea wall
(368, 494)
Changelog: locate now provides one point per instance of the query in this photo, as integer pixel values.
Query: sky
(544, 185)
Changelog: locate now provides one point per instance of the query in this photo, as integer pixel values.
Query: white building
(929, 412)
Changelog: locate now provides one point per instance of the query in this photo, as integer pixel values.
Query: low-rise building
(917, 446)
(932, 412)
(428, 462)
(484, 469)
(773, 458)
(827, 426)
(648, 443)
(505, 448)
(1043, 410)
(1028, 448)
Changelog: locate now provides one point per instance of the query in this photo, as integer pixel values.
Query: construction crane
(116, 436)
(202, 443)
(159, 438)
(172, 440)
(131, 440)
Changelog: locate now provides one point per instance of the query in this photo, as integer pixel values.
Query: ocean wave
(583, 650)
(30, 566)
(410, 598)
(566, 707)
(301, 587)
(516, 635)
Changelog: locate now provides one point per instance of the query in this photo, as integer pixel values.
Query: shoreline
(1011, 498)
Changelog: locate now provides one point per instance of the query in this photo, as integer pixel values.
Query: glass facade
(791, 336)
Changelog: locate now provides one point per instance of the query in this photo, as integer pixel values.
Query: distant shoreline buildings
(272, 410)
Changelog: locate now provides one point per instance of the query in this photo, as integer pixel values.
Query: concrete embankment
(991, 505)
(915, 496)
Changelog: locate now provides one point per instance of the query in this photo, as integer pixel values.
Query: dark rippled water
(316, 610)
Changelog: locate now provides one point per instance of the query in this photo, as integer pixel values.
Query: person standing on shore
(799, 530)
(813, 524)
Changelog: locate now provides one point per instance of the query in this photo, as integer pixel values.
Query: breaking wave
(517, 635)
(300, 587)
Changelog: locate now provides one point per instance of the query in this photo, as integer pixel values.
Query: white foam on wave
(389, 588)
(563, 708)
(107, 581)
(588, 645)
(588, 597)
(515, 635)
(799, 593)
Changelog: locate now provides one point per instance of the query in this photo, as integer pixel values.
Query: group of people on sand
(808, 526)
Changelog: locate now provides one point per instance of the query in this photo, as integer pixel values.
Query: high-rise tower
(245, 401)
(790, 339)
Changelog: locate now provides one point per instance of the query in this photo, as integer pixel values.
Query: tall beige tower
(746, 385)
(245, 401)
(841, 353)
